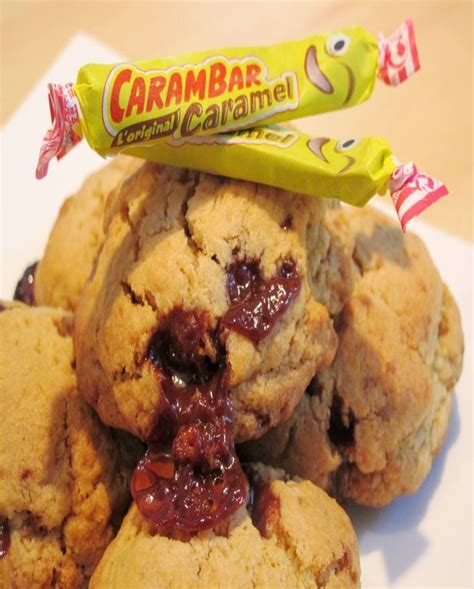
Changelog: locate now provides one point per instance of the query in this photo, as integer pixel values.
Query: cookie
(63, 476)
(333, 273)
(76, 237)
(296, 536)
(371, 424)
(187, 259)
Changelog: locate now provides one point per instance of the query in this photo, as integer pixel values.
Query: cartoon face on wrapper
(340, 154)
(337, 67)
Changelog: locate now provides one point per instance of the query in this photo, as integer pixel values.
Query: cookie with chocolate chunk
(63, 475)
(370, 426)
(293, 536)
(76, 237)
(198, 272)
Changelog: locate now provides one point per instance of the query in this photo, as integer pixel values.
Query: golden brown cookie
(333, 274)
(177, 244)
(63, 477)
(370, 426)
(303, 539)
(76, 237)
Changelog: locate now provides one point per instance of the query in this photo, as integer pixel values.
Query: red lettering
(116, 111)
(154, 93)
(251, 75)
(137, 96)
(195, 85)
(236, 79)
(217, 80)
(175, 89)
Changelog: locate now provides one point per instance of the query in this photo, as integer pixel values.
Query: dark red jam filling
(257, 304)
(190, 478)
(25, 288)
(4, 537)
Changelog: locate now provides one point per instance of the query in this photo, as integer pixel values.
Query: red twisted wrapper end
(412, 192)
(62, 136)
(398, 55)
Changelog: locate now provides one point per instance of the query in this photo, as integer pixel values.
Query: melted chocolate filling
(257, 304)
(190, 478)
(25, 288)
(264, 510)
(4, 537)
(263, 506)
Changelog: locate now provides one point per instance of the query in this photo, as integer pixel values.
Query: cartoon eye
(338, 44)
(346, 144)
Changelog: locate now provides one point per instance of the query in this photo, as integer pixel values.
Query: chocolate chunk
(4, 537)
(25, 288)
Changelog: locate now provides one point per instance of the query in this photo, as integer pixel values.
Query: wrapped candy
(195, 111)
(350, 170)
(119, 105)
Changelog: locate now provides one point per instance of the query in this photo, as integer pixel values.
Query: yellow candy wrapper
(350, 170)
(119, 105)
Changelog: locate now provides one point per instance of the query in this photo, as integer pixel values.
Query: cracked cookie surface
(171, 237)
(63, 475)
(310, 543)
(371, 424)
(76, 237)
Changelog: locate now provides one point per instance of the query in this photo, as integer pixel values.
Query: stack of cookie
(219, 358)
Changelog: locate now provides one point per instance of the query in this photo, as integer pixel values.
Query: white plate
(420, 541)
